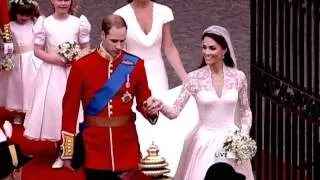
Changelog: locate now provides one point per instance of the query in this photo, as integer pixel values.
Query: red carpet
(44, 156)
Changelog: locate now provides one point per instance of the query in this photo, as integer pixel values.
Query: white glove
(7, 128)
(8, 48)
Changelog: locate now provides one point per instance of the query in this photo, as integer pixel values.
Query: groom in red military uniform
(106, 81)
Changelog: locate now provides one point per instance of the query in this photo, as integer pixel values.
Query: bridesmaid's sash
(112, 86)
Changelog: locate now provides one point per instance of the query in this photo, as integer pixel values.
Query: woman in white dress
(19, 81)
(43, 122)
(149, 29)
(218, 88)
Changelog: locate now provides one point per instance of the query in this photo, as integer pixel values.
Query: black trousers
(93, 174)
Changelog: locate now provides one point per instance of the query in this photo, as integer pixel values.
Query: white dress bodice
(23, 34)
(148, 46)
(215, 112)
(48, 32)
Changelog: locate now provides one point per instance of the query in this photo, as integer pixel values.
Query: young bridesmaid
(43, 122)
(19, 80)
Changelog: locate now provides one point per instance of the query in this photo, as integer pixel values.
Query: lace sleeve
(173, 111)
(244, 107)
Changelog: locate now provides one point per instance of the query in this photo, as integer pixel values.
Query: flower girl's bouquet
(6, 64)
(69, 51)
(241, 145)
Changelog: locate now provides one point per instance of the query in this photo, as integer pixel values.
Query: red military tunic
(87, 76)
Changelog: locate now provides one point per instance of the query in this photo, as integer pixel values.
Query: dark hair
(6, 152)
(223, 170)
(112, 20)
(228, 61)
(27, 9)
(129, 1)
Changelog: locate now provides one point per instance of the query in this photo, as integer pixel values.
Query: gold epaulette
(6, 34)
(67, 145)
(85, 54)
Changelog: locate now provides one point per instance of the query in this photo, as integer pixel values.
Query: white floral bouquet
(69, 51)
(6, 64)
(241, 145)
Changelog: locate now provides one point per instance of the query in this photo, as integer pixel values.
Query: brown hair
(228, 61)
(28, 9)
(112, 20)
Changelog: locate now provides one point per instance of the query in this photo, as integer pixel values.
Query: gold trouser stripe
(14, 156)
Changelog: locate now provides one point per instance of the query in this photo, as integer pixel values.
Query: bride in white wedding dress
(148, 30)
(219, 88)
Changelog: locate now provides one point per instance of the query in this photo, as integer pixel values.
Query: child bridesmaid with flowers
(43, 122)
(20, 74)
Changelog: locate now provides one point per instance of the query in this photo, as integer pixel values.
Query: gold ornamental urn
(154, 165)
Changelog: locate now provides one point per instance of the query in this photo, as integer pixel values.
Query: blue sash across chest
(112, 85)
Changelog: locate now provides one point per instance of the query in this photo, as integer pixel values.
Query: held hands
(153, 106)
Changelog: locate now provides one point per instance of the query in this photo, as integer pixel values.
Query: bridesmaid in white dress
(20, 80)
(43, 122)
(149, 29)
(218, 88)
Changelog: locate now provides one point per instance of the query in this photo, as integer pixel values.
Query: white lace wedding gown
(167, 135)
(217, 119)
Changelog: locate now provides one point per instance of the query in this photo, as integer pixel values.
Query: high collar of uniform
(103, 53)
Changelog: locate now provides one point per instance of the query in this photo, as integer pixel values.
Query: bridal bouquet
(6, 64)
(69, 51)
(241, 145)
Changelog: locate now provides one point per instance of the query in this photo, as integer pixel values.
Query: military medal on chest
(128, 81)
(127, 96)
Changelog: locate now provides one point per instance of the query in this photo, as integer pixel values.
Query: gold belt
(23, 49)
(114, 121)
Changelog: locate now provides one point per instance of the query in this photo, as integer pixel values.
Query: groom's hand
(152, 106)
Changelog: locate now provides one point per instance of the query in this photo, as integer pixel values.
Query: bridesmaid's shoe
(58, 163)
